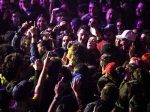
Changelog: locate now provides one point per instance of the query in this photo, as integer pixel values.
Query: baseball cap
(127, 34)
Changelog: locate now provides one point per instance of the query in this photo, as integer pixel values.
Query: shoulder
(89, 107)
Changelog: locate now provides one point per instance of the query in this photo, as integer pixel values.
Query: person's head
(77, 53)
(24, 4)
(41, 47)
(83, 34)
(119, 26)
(93, 8)
(109, 49)
(124, 43)
(110, 93)
(140, 9)
(110, 32)
(11, 66)
(64, 25)
(75, 24)
(22, 91)
(66, 73)
(16, 18)
(5, 49)
(145, 39)
(110, 16)
(139, 24)
(4, 5)
(126, 38)
(104, 60)
(41, 22)
(81, 69)
(92, 22)
(25, 44)
(92, 42)
(55, 67)
(59, 16)
(65, 41)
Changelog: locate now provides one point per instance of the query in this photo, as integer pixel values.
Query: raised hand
(26, 24)
(64, 59)
(70, 43)
(47, 62)
(58, 88)
(75, 85)
(33, 31)
(37, 65)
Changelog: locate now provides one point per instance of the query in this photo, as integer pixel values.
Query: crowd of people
(74, 56)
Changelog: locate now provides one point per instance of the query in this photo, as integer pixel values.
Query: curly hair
(11, 64)
(79, 52)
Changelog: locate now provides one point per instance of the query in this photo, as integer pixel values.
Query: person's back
(106, 103)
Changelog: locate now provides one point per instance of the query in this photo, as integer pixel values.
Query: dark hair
(11, 65)
(66, 74)
(110, 92)
(82, 69)
(5, 49)
(54, 69)
(76, 23)
(84, 27)
(22, 90)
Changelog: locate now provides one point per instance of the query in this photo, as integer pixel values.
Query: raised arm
(57, 89)
(17, 37)
(33, 47)
(39, 87)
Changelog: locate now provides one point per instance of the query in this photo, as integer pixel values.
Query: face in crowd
(65, 41)
(41, 23)
(110, 16)
(124, 43)
(16, 18)
(119, 27)
(83, 36)
(41, 48)
(93, 9)
(91, 44)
